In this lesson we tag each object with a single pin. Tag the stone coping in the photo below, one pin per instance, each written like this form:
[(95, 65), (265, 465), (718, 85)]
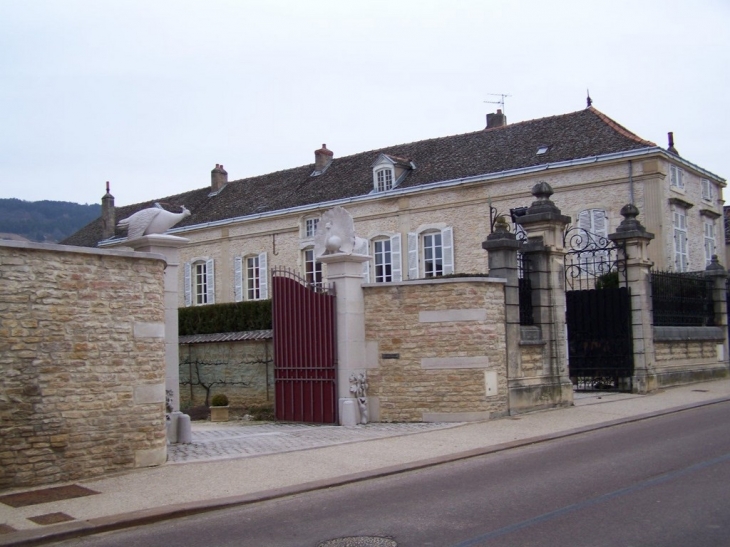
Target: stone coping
[(673, 334), (57, 248), (438, 281)]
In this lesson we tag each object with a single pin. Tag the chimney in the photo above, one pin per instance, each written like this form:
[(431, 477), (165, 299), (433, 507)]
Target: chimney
[(218, 178), (108, 214), (496, 120), (670, 148), (322, 158)]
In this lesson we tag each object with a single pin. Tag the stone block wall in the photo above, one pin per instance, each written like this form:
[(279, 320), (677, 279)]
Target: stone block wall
[(243, 370), (684, 355), (82, 362), (441, 349)]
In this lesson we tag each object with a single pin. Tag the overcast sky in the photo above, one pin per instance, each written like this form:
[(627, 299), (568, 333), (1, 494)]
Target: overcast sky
[(151, 94)]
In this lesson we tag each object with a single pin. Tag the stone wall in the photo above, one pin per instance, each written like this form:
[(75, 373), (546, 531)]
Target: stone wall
[(441, 349), (82, 356), (685, 355), (243, 370)]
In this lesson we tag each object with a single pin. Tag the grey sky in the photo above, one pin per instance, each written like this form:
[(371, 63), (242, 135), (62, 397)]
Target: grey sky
[(151, 94)]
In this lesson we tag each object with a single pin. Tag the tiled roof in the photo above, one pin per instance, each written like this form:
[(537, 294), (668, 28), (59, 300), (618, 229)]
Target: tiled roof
[(226, 337), (583, 134)]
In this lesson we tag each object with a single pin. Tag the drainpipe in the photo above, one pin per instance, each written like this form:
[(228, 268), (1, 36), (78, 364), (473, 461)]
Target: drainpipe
[(631, 182)]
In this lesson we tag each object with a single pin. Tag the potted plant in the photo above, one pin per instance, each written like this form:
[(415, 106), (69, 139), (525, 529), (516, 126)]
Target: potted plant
[(219, 408)]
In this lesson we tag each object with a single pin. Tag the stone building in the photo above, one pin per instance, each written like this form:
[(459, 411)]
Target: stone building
[(424, 207)]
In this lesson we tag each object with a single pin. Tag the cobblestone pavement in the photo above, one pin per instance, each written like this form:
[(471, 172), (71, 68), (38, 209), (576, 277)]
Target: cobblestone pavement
[(224, 441)]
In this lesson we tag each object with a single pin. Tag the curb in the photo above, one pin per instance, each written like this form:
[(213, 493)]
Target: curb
[(121, 521)]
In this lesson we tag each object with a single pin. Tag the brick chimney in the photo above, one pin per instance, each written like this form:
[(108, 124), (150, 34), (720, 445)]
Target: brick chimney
[(670, 148), (322, 158), (218, 178), (108, 214), (496, 120)]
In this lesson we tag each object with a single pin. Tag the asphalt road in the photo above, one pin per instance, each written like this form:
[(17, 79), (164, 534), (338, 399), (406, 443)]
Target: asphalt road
[(663, 481)]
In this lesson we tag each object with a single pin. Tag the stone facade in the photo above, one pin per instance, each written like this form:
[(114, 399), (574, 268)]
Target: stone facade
[(440, 347), (82, 355), (244, 370), (607, 186)]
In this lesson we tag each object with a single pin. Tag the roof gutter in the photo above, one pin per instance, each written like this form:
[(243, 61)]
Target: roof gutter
[(441, 184)]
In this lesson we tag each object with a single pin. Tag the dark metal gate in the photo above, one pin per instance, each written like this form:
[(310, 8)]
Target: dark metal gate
[(598, 313), (304, 349)]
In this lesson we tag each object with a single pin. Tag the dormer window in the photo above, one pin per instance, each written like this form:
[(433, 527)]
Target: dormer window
[(389, 172), (384, 179)]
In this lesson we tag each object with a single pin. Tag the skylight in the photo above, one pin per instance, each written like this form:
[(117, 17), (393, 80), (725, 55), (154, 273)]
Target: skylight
[(542, 150)]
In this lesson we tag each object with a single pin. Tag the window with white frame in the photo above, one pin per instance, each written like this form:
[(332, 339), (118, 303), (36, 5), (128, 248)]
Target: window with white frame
[(709, 228), (250, 278), (431, 253), (310, 227), (383, 260), (199, 281), (384, 179), (312, 269), (679, 223), (707, 190), (676, 177)]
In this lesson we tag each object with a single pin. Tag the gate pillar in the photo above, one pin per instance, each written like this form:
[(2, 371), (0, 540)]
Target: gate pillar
[(345, 272), (544, 224), (719, 277), (635, 240)]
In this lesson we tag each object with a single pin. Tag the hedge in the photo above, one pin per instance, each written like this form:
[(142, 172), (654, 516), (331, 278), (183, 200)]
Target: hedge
[(231, 317)]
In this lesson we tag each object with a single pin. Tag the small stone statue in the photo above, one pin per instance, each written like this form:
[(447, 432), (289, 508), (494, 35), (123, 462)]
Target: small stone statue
[(154, 220), (359, 387), (336, 234)]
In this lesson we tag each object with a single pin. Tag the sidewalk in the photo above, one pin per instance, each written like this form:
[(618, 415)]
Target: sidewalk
[(232, 464)]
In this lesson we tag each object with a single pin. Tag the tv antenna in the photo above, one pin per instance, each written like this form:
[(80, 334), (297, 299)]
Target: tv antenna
[(502, 97)]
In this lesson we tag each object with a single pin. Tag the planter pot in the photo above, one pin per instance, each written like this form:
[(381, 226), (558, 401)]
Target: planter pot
[(219, 414)]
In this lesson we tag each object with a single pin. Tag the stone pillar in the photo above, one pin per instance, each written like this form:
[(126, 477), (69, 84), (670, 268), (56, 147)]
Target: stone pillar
[(502, 247), (635, 239), (345, 271), (545, 224), (719, 296), (169, 247)]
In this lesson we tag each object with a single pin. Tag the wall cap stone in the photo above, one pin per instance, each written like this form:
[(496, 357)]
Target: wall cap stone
[(437, 281), (673, 334), (55, 247)]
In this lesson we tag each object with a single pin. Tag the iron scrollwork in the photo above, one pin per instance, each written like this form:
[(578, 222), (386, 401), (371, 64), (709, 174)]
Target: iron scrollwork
[(593, 261)]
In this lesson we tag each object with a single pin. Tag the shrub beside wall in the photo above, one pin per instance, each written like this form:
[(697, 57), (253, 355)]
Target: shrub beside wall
[(82, 355)]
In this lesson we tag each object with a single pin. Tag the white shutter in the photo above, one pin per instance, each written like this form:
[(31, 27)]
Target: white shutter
[(412, 255), (210, 281), (237, 279), (396, 266), (673, 176), (680, 178), (263, 277), (584, 220), (188, 284), (600, 226), (364, 249), (447, 244)]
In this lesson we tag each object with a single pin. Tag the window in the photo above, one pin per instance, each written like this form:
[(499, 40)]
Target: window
[(709, 240), (679, 222), (707, 193), (312, 269), (384, 179), (383, 261), (594, 221), (310, 227), (676, 177), (437, 249), (199, 282), (254, 278)]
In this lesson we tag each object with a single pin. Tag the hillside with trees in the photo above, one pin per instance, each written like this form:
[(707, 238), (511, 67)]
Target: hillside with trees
[(44, 221)]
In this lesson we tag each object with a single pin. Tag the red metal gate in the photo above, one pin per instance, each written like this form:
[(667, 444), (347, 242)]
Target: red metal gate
[(305, 363)]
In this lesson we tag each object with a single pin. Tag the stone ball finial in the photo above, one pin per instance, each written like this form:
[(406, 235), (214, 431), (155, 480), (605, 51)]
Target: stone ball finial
[(542, 190), (629, 211)]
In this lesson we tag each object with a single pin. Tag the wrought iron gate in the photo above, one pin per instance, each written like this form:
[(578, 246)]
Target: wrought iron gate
[(304, 349), (598, 313)]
